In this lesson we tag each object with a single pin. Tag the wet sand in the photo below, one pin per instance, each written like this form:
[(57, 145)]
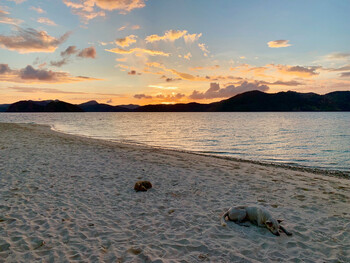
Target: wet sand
[(66, 198)]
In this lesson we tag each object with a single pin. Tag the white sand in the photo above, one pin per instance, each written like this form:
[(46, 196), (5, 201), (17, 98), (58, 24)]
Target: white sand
[(65, 198)]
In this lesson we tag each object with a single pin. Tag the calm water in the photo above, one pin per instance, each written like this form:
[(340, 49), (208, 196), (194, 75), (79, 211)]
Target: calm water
[(309, 139)]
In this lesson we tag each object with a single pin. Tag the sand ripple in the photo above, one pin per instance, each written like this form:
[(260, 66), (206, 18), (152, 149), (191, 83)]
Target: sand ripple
[(69, 199)]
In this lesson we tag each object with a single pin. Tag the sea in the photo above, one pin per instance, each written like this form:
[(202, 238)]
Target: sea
[(306, 139)]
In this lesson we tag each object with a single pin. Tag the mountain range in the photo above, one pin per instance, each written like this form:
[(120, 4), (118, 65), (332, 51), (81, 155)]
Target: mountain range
[(251, 101)]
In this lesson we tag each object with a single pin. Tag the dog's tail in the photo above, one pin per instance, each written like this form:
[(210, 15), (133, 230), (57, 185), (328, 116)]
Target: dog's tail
[(223, 223)]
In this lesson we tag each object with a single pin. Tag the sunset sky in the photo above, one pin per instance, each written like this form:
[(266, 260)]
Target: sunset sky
[(167, 51)]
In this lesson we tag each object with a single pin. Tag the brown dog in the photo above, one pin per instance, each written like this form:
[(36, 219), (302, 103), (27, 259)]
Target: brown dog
[(142, 186)]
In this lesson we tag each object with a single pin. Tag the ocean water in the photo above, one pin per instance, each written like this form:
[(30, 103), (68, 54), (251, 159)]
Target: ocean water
[(312, 139)]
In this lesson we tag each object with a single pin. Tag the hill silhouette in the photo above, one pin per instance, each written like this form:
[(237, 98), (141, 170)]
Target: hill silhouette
[(248, 101), (48, 106), (94, 106)]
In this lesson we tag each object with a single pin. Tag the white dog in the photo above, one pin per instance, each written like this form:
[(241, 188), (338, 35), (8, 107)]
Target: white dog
[(256, 215)]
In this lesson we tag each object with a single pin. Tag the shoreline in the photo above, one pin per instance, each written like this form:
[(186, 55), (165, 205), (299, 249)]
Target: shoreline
[(71, 198), (291, 166)]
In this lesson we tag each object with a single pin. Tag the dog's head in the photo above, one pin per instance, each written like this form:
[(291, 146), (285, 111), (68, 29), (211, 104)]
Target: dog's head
[(273, 226)]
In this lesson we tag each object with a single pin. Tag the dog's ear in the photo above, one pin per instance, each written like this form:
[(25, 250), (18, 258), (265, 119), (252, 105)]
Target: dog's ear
[(279, 220), (269, 223)]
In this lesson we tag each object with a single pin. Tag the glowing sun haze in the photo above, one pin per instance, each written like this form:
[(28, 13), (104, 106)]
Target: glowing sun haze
[(143, 52)]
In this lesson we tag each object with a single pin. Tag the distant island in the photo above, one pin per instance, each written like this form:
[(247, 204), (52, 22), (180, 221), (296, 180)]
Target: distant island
[(251, 101)]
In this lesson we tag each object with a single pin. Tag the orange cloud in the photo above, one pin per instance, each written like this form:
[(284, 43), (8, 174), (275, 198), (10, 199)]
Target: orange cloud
[(6, 19), (46, 21), (38, 10), (278, 43), (86, 8), (187, 76), (190, 38), (188, 56), (205, 68), (204, 48), (126, 41), (123, 5), (133, 27), (170, 35), (30, 40), (138, 51)]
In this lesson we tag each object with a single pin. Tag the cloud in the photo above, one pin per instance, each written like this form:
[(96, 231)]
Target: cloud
[(188, 56), (69, 51), (122, 66), (190, 38), (46, 21), (31, 75), (135, 27), (89, 52), (142, 96), (55, 91), (86, 9), (169, 79), (170, 35), (204, 48), (59, 63), (121, 59), (122, 28), (162, 87), (4, 68), (216, 92), (6, 19), (299, 71), (133, 72), (338, 56), (123, 5), (17, 1), (138, 51), (215, 67), (345, 74), (42, 90), (344, 68), (37, 74), (182, 75), (38, 10), (187, 76), (278, 43), (126, 41), (65, 54), (281, 83), (169, 97), (30, 40)]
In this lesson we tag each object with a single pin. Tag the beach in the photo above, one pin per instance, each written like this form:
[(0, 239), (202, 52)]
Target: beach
[(66, 198)]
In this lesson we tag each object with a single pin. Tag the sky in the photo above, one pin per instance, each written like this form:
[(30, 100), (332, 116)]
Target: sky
[(167, 51)]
